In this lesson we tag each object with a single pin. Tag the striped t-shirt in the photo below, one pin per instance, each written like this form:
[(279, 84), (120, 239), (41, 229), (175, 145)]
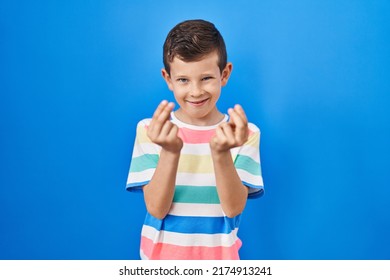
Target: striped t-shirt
[(196, 226)]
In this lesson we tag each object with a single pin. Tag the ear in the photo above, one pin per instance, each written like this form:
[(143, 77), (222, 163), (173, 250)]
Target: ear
[(167, 78), (226, 73)]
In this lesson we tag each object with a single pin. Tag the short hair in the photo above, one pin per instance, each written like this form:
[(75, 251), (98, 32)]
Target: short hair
[(191, 40)]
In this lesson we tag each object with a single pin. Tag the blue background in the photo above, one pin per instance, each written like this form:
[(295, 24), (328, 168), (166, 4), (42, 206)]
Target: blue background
[(76, 76)]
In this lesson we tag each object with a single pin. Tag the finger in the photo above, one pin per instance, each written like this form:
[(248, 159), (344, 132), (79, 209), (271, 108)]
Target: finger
[(159, 108), (228, 133), (221, 137), (240, 128), (243, 116), (173, 132), (235, 119), (156, 113), (166, 128), (238, 108), (239, 112), (166, 112), (174, 138), (162, 109), (161, 115)]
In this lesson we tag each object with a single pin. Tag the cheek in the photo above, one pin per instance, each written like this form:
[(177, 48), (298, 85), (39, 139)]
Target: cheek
[(179, 92), (213, 88)]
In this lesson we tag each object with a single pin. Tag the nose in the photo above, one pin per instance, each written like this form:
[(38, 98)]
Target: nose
[(196, 90)]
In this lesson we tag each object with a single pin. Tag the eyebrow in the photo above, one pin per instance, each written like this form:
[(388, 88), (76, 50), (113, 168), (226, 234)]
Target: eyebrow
[(206, 74)]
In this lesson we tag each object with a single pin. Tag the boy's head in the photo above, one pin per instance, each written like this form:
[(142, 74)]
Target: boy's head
[(192, 40), (196, 69)]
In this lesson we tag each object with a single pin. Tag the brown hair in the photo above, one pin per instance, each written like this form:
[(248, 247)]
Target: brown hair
[(191, 40)]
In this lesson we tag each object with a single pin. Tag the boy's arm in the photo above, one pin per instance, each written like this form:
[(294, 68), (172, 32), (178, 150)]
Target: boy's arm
[(159, 192), (232, 193)]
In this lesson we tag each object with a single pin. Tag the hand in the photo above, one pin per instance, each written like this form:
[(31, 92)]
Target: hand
[(231, 134), (162, 131)]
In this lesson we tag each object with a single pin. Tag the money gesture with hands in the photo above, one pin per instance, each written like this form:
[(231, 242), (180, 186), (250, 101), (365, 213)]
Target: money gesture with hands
[(231, 134), (162, 131)]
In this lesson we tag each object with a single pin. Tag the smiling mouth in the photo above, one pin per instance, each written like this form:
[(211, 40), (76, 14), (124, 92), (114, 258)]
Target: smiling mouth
[(198, 103)]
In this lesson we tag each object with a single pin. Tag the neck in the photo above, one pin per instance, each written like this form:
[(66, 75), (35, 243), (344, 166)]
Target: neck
[(209, 120)]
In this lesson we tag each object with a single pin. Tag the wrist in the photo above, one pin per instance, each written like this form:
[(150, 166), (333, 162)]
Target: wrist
[(221, 155), (170, 153)]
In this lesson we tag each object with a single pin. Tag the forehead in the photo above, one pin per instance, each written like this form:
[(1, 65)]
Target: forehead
[(207, 64)]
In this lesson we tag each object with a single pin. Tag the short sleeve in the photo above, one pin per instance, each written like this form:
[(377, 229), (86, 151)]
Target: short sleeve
[(248, 165), (144, 159)]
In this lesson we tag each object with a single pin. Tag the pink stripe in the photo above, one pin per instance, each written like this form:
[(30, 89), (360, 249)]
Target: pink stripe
[(162, 251), (191, 136)]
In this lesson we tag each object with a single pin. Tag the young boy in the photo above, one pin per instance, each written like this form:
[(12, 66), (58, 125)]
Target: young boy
[(196, 166)]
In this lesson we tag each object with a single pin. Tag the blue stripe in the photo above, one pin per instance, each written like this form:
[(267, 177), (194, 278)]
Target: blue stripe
[(259, 192), (137, 186), (252, 185), (197, 225)]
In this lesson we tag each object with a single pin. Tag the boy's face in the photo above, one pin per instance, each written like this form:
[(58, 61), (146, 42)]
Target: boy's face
[(197, 86)]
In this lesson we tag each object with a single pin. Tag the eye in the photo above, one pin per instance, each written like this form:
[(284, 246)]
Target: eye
[(207, 78), (182, 80)]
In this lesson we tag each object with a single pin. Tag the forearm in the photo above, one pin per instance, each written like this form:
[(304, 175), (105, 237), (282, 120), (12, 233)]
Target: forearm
[(232, 193), (159, 192)]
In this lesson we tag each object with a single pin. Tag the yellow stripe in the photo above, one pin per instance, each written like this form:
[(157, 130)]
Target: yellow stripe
[(142, 137), (253, 140), (196, 164)]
